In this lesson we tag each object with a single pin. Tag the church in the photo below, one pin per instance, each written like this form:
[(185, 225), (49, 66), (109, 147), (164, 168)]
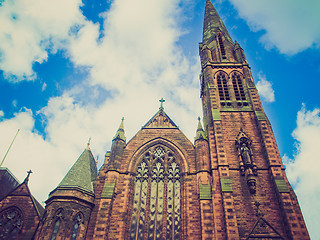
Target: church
[(229, 183)]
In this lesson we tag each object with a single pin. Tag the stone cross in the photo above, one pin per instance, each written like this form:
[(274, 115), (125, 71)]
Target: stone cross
[(161, 101)]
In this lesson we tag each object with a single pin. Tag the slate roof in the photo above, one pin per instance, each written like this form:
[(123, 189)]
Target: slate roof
[(82, 173), (8, 182)]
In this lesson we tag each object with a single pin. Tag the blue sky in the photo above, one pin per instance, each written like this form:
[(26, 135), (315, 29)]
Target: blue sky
[(69, 73)]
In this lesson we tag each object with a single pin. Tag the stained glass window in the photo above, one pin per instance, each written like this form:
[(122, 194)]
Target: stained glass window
[(10, 223), (156, 203)]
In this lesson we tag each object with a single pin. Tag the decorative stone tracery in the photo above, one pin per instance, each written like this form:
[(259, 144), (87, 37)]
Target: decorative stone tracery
[(11, 223), (156, 203)]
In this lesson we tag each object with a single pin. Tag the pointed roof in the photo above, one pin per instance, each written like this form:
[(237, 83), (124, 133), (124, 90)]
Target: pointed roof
[(160, 120), (82, 173), (213, 24), (23, 190), (200, 134), (120, 132)]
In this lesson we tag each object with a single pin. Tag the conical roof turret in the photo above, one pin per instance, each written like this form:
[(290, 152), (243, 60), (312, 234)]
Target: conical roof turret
[(82, 173), (213, 24), (120, 135)]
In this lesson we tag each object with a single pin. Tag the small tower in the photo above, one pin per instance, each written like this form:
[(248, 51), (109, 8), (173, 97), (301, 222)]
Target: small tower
[(68, 208)]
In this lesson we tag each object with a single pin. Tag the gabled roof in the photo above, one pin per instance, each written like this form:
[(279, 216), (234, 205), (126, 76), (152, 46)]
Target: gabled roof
[(82, 173), (160, 120), (23, 190), (213, 24)]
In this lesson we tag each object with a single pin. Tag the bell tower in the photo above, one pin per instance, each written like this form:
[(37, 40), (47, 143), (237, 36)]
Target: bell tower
[(251, 195)]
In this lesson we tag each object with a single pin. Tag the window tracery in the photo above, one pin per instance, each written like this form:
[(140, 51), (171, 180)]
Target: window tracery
[(156, 203), (223, 87), (238, 87), (10, 223)]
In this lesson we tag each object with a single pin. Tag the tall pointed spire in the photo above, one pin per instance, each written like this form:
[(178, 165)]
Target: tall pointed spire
[(120, 132), (213, 24)]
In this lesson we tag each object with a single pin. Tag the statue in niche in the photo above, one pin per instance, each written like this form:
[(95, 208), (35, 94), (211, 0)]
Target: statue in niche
[(247, 166)]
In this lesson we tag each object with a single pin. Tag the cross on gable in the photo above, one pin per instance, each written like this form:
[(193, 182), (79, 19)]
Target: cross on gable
[(161, 103)]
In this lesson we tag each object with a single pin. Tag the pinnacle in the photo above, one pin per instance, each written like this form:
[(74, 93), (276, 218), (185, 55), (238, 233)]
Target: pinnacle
[(200, 134), (120, 132)]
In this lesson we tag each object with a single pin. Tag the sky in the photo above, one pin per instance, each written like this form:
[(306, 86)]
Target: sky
[(70, 73)]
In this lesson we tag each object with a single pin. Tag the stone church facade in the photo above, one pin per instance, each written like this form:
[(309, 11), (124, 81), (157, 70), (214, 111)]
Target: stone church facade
[(229, 183)]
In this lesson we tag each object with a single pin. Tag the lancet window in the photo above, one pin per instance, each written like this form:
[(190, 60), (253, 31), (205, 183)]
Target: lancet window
[(156, 203), (58, 218), (238, 87), (78, 219), (222, 86), (10, 223)]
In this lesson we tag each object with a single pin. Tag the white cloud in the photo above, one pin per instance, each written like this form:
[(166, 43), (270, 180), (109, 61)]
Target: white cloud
[(30, 29), (44, 87), (290, 25), (303, 170), (134, 64), (265, 88)]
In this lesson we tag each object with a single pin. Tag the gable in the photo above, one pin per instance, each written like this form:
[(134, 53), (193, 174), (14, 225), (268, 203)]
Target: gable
[(160, 120), (21, 196)]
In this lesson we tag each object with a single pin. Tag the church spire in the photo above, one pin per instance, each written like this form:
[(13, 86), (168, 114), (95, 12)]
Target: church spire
[(213, 24), (120, 132)]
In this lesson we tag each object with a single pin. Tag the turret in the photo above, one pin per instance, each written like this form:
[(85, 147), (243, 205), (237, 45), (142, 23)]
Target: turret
[(70, 204)]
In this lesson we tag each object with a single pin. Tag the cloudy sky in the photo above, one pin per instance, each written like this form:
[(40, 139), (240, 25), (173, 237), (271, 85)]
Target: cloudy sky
[(69, 73)]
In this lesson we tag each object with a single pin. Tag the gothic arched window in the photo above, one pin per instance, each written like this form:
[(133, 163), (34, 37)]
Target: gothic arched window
[(78, 219), (223, 87), (10, 223), (58, 219), (238, 87), (156, 203)]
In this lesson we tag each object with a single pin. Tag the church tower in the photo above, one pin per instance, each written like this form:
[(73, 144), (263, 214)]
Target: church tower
[(229, 183), (251, 196)]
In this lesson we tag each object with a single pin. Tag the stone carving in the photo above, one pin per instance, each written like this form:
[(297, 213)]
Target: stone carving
[(247, 166)]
